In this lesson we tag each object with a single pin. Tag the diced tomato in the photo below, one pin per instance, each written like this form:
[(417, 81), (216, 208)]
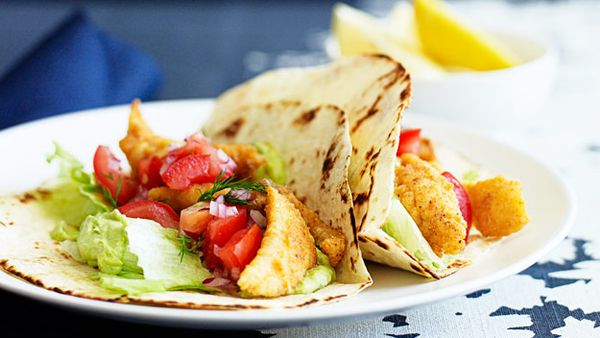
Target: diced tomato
[(211, 261), (149, 172), (195, 219), (107, 169), (240, 249), (463, 200), (196, 144), (220, 230), (153, 210), (409, 141), (187, 171)]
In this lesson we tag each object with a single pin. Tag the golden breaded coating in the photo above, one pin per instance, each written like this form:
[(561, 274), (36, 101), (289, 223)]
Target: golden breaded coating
[(498, 206), (140, 142), (430, 200), (286, 252), (247, 158), (178, 199), (330, 240), (426, 151)]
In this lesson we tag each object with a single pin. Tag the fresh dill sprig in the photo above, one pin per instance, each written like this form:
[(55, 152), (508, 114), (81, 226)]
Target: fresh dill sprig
[(184, 245), (231, 184)]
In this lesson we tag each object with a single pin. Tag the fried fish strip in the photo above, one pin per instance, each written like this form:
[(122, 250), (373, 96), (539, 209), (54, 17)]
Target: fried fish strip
[(498, 206), (178, 199), (140, 141), (430, 200), (330, 240), (286, 252)]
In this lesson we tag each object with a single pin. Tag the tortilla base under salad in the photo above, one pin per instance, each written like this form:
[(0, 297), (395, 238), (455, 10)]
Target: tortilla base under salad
[(28, 252)]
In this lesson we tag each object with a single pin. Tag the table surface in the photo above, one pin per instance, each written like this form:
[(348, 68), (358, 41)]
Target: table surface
[(557, 296)]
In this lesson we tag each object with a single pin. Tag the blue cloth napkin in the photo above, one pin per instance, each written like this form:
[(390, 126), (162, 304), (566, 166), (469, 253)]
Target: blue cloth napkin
[(76, 67)]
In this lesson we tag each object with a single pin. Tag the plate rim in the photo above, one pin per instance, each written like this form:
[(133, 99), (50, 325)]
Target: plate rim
[(254, 319)]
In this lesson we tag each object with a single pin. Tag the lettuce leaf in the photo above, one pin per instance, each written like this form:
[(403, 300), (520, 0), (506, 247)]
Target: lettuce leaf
[(403, 228), (274, 169), (136, 255), (318, 277), (159, 255), (75, 193)]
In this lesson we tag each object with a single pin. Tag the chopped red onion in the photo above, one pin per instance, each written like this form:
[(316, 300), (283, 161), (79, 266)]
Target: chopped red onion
[(241, 194), (259, 218), (218, 208), (225, 161)]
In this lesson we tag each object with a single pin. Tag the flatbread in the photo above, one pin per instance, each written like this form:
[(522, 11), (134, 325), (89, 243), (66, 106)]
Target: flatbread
[(316, 158), (314, 143), (374, 91)]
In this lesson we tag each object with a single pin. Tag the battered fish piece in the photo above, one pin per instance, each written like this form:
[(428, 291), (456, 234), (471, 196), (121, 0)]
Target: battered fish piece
[(178, 199), (430, 200), (498, 206), (286, 253), (247, 158), (426, 151), (330, 240), (140, 141)]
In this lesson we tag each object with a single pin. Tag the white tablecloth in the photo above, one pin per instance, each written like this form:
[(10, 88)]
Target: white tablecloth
[(560, 295)]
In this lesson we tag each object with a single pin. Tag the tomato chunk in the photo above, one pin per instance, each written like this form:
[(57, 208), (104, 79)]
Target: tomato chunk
[(187, 171), (153, 210), (196, 144), (211, 261), (409, 141), (108, 173), (220, 230), (195, 219), (463, 200), (240, 249), (149, 172)]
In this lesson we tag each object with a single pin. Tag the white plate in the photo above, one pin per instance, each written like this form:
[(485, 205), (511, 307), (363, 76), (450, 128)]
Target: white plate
[(549, 202)]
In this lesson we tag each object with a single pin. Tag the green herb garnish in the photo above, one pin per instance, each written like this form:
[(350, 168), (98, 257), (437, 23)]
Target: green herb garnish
[(184, 245), (230, 183)]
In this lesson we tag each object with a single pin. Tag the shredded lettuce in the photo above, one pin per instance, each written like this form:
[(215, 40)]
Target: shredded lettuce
[(159, 256), (470, 176), (75, 194), (136, 256), (318, 277), (403, 228), (274, 169)]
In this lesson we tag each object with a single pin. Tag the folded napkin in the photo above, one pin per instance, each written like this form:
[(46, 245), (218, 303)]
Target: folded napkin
[(75, 67)]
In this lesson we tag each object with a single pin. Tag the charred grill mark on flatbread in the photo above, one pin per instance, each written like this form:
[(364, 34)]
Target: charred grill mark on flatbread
[(307, 116), (416, 267), (354, 229), (344, 195), (370, 112), (405, 93), (330, 298), (328, 163), (362, 239), (381, 244), (27, 197), (363, 197), (233, 128), (308, 302)]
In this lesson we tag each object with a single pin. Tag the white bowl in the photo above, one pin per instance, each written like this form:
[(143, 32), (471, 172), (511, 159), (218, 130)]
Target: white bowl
[(493, 100)]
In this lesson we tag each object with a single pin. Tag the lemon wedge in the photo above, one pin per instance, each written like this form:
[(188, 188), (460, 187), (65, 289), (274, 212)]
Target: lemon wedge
[(452, 42), (357, 32)]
